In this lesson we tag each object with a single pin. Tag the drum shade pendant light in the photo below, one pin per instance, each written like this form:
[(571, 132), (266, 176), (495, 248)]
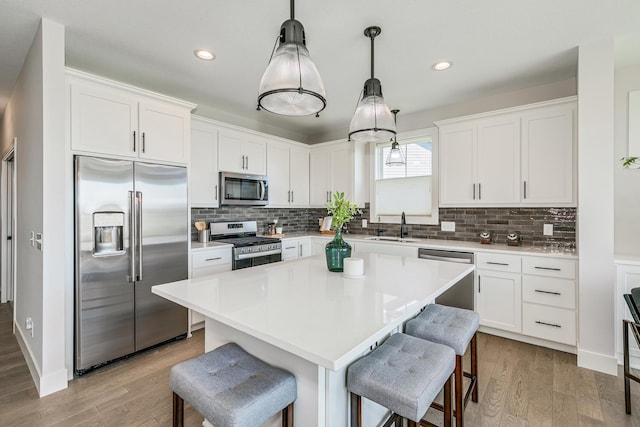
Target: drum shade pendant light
[(372, 120), (395, 157), (291, 84)]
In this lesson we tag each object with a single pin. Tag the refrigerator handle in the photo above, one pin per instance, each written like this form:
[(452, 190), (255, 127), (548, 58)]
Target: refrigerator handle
[(139, 233), (132, 240)]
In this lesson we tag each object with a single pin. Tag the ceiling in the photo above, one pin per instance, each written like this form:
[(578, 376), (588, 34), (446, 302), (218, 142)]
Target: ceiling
[(496, 46)]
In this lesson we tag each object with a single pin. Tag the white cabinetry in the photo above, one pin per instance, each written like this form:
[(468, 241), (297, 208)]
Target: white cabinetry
[(119, 120), (522, 156), (204, 164), (338, 166), (288, 172), (241, 152), (205, 262), (296, 248), (628, 277), (499, 286)]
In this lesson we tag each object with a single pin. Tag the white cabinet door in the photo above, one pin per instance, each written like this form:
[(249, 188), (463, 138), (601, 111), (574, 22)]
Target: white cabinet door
[(320, 179), (304, 247), (298, 176), (204, 263), (204, 166), (498, 161), (499, 300), (278, 172), (164, 132), (103, 120), (241, 152), (548, 156), (290, 249), (457, 165), (341, 171)]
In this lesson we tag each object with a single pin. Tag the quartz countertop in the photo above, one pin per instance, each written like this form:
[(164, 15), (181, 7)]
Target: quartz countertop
[(209, 245), (320, 316)]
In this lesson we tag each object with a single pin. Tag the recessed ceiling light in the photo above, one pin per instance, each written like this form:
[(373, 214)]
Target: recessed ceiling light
[(441, 65), (205, 55)]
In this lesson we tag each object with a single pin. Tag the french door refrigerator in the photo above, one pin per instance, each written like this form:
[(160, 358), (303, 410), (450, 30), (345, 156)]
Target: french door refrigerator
[(131, 226)]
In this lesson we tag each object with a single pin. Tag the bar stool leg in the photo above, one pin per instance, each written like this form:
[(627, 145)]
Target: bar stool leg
[(447, 403), (627, 383), (287, 416), (178, 411), (474, 367), (458, 392), (356, 410)]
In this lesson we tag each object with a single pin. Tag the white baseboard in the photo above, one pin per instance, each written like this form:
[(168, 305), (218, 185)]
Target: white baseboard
[(598, 362), (45, 384)]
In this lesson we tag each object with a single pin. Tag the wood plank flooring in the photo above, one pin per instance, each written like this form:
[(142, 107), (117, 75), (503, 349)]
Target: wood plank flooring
[(520, 385)]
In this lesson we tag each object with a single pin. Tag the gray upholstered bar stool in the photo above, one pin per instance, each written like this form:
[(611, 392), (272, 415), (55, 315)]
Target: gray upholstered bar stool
[(453, 327), (230, 387), (404, 374)]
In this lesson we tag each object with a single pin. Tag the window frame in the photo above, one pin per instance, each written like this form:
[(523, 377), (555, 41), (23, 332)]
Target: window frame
[(407, 138)]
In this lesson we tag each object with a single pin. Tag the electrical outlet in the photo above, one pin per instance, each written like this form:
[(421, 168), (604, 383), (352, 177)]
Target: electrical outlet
[(364, 223), (28, 325), (448, 226), (547, 229)]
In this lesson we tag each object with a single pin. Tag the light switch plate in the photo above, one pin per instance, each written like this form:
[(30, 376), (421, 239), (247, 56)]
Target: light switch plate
[(547, 229), (448, 226), (364, 223)]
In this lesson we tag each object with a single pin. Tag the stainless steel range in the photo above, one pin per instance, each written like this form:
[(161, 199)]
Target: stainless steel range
[(249, 249)]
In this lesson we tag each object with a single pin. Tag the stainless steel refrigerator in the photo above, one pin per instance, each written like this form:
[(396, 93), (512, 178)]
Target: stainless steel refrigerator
[(131, 226)]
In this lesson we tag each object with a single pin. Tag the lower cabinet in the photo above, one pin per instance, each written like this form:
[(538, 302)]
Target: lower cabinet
[(205, 262), (296, 248), (530, 295)]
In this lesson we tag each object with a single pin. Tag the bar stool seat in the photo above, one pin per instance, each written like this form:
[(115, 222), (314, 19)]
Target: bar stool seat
[(404, 374), (230, 387), (455, 328)]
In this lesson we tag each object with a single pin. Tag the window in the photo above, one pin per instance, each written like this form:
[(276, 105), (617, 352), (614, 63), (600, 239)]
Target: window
[(411, 188)]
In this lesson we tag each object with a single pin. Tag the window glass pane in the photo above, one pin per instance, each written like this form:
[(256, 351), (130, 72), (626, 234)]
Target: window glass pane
[(418, 156)]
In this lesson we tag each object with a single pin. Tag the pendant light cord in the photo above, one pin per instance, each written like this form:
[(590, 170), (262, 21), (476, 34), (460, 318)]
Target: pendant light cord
[(292, 7), (375, 109)]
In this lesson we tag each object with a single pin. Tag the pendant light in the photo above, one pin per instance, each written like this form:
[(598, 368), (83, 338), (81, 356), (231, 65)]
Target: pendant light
[(291, 84), (395, 157), (372, 120)]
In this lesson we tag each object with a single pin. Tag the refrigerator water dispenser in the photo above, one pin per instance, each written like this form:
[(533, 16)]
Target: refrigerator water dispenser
[(107, 233)]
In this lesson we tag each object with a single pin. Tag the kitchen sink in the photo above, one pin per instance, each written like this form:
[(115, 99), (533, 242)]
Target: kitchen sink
[(391, 239)]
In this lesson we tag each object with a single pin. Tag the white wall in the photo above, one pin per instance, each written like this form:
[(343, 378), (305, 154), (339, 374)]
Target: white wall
[(35, 115), (627, 181), (596, 345)]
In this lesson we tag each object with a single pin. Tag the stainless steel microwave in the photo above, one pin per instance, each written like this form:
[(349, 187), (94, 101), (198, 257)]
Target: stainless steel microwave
[(243, 189)]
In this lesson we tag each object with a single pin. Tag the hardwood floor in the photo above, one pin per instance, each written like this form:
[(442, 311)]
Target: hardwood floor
[(520, 385)]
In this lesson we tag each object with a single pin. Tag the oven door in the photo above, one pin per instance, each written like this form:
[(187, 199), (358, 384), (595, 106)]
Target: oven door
[(243, 189), (255, 260)]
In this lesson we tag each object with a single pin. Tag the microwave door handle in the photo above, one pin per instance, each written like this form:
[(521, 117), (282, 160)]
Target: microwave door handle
[(262, 189)]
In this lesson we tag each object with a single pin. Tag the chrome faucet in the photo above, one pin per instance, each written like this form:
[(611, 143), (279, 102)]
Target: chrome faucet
[(403, 227), (379, 229)]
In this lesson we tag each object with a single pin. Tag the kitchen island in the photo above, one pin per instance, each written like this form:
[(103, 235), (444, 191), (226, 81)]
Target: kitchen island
[(314, 323)]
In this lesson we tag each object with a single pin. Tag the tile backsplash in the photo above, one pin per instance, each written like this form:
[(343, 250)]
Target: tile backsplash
[(470, 222)]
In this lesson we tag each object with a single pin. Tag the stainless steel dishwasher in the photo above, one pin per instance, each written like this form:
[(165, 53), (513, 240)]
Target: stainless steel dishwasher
[(460, 295)]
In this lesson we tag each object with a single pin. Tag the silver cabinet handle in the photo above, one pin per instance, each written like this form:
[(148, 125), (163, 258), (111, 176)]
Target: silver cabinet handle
[(548, 268), (139, 231), (290, 247), (214, 259), (479, 191), (548, 324), (247, 162), (300, 251), (497, 263), (547, 292), (479, 284), (525, 189), (134, 141), (143, 142), (242, 162), (215, 193), (291, 196), (474, 191), (132, 238)]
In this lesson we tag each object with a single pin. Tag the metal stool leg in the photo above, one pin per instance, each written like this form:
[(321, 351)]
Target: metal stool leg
[(287, 416), (474, 367), (458, 392)]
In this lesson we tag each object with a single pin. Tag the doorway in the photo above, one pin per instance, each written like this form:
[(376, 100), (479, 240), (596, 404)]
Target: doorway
[(7, 213)]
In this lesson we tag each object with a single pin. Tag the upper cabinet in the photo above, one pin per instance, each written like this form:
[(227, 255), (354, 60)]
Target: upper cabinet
[(241, 152), (515, 157), (119, 120), (288, 172), (338, 166), (203, 170)]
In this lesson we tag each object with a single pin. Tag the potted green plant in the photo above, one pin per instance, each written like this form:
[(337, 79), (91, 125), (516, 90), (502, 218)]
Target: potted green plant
[(341, 211), (631, 162)]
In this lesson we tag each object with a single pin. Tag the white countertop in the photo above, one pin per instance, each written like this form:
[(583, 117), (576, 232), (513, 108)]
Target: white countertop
[(197, 245), (320, 316)]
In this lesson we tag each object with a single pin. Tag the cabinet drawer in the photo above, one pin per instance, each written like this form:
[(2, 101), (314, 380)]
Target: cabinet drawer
[(549, 291), (289, 250), (498, 262), (206, 259), (549, 323), (551, 267)]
